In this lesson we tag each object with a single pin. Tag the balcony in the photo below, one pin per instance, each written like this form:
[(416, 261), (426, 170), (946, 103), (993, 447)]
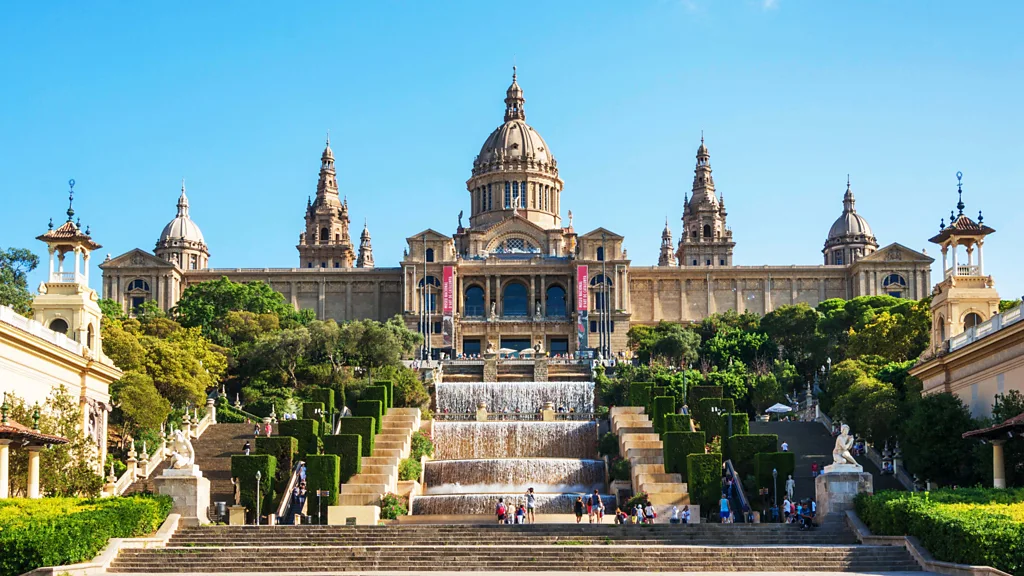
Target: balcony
[(975, 333), (963, 270), (67, 278)]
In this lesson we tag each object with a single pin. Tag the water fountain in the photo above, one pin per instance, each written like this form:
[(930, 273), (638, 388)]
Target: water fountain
[(462, 440), (524, 397)]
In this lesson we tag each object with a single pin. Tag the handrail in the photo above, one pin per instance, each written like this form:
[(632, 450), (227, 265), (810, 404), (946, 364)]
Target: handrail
[(286, 498), (740, 492)]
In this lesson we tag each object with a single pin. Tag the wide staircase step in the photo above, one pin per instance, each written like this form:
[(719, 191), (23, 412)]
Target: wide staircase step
[(379, 473), (538, 547)]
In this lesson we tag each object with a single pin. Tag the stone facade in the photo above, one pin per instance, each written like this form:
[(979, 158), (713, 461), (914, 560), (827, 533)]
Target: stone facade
[(514, 265)]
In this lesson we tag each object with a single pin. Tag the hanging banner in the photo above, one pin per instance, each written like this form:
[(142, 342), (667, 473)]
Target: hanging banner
[(448, 305), (582, 307)]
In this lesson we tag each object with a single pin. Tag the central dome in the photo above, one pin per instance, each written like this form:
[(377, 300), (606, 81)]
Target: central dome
[(515, 140), (182, 228)]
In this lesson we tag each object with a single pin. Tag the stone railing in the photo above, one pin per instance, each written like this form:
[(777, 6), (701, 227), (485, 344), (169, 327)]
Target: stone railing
[(9, 316), (141, 469), (993, 324)]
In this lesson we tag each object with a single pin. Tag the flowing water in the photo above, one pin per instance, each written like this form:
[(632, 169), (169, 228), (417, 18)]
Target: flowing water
[(487, 503), (475, 440), (494, 476), (525, 397)]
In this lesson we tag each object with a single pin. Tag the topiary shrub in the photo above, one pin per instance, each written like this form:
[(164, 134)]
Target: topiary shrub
[(608, 445), (326, 397), (677, 422), (392, 506), (283, 448), (372, 409), (244, 469), (306, 432), (741, 449), (639, 394), (698, 393), (349, 449), (711, 423), (620, 470), (662, 406), (409, 469), (421, 445), (740, 423), (390, 385), (377, 393), (362, 426), (765, 462), (676, 446), (704, 480), (313, 411), (323, 472)]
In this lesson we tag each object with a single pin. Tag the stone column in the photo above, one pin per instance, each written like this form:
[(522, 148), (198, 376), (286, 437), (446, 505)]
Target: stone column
[(998, 466), (33, 471), (532, 306), (487, 297), (981, 259), (5, 469), (954, 259), (544, 296), (497, 296)]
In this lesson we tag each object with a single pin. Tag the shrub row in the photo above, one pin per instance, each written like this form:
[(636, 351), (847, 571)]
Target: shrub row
[(59, 531), (324, 396), (704, 479), (677, 446), (662, 406), (244, 469), (391, 391), (323, 472), (372, 409), (362, 426), (377, 393), (640, 393), (741, 449), (313, 411), (349, 448), (677, 422), (697, 393), (711, 423), (764, 463), (306, 431), (283, 448)]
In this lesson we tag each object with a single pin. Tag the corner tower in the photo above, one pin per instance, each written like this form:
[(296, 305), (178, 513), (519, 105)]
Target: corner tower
[(325, 242), (705, 239)]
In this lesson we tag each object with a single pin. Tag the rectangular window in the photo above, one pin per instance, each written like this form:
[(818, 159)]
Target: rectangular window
[(593, 325), (471, 347), (522, 195), (437, 327), (490, 205), (721, 262), (545, 198), (508, 195)]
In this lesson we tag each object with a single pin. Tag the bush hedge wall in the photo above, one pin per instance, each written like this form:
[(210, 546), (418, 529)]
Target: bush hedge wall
[(377, 393), (326, 397), (977, 526), (698, 393), (323, 472), (391, 391), (372, 409), (740, 423), (244, 469), (741, 449), (362, 426), (306, 432), (640, 393), (283, 448), (608, 445), (349, 448), (704, 479), (654, 393), (677, 446), (713, 424), (677, 422), (59, 531), (764, 463), (309, 411), (662, 406)]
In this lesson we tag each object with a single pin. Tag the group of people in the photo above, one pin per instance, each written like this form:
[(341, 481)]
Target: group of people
[(799, 512), (521, 514), (594, 507), (267, 429), (643, 514)]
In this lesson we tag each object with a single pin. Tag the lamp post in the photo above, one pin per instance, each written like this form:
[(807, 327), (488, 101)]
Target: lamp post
[(259, 476), (775, 492)]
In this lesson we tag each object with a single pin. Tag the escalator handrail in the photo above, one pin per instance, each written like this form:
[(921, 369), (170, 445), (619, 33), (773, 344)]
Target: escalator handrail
[(286, 498), (740, 492)]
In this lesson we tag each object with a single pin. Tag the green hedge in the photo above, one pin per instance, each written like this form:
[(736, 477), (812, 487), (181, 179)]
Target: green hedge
[(323, 472), (309, 411), (228, 414), (741, 449), (409, 469), (326, 397), (349, 448), (655, 392), (713, 424), (377, 393), (608, 445), (740, 423), (764, 463), (640, 393), (364, 427), (59, 531), (307, 432), (244, 469), (967, 525), (698, 393), (391, 391), (283, 448), (663, 405), (704, 480), (677, 422), (372, 409), (677, 446), (620, 470)]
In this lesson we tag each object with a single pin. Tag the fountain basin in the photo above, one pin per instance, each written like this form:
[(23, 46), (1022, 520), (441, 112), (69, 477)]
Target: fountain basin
[(548, 475)]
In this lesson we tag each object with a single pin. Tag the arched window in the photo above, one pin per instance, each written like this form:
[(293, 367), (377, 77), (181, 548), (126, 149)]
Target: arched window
[(971, 320), (433, 288), (325, 236), (88, 336), (598, 283), (942, 329), (59, 325), (707, 231), (430, 255), (138, 284), (894, 285), (514, 300), (474, 301), (555, 301)]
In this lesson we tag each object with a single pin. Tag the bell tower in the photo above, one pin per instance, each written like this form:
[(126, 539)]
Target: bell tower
[(965, 297), (667, 256), (326, 242), (705, 240), (65, 302)]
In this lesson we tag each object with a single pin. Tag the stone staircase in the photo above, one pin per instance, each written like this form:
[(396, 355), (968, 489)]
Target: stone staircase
[(538, 547), (642, 446), (379, 473)]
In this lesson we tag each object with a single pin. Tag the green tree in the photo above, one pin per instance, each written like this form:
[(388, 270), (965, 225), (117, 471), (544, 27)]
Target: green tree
[(933, 443), (731, 345), (794, 331), (675, 344), (283, 350), (138, 405), (15, 265), (897, 334), (1005, 305), (207, 305), (111, 309), (640, 339), (183, 366), (871, 407), (765, 391), (1007, 406)]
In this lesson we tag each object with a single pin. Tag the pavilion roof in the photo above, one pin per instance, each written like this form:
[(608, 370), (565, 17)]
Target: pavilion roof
[(11, 430), (993, 432)]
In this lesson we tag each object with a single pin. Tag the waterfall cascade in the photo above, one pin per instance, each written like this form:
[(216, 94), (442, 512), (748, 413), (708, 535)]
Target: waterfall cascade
[(525, 397), (462, 440)]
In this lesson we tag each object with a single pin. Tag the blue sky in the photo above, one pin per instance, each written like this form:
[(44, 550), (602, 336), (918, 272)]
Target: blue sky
[(128, 98)]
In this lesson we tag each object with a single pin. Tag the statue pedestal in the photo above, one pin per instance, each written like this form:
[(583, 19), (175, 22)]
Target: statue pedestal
[(835, 489), (190, 492), (236, 515)]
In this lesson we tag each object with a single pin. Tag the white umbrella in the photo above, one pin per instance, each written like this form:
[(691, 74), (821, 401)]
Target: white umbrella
[(779, 409), (507, 350)]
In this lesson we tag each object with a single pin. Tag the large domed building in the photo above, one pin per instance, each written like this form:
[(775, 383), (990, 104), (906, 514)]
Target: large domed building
[(517, 274)]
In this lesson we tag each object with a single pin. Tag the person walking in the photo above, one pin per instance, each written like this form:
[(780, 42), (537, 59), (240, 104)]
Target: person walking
[(785, 446), (594, 505), (256, 431), (531, 504), (501, 511), (686, 514), (649, 513), (723, 509), (674, 518), (246, 448), (578, 508), (787, 507), (267, 429)]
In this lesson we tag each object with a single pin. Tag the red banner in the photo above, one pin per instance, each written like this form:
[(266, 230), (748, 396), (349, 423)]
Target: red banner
[(448, 305), (582, 307)]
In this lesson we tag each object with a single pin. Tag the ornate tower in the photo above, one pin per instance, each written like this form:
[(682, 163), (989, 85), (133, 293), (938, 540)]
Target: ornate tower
[(65, 302), (965, 297), (181, 241), (850, 238), (667, 257), (326, 242), (705, 240), (365, 259)]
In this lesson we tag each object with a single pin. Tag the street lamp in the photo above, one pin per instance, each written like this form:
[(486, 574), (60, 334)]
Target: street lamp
[(259, 476), (775, 493)]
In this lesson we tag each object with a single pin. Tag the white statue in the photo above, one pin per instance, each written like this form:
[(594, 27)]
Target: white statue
[(182, 453), (790, 487), (841, 453)]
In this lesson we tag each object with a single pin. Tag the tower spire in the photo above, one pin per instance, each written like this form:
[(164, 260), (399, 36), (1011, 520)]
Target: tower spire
[(71, 199), (960, 192), (514, 100), (183, 201), (365, 258)]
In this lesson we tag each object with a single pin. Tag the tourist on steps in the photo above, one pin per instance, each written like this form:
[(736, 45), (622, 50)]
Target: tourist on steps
[(501, 511), (578, 508), (723, 509), (531, 503), (246, 448), (686, 515), (593, 506), (521, 514), (256, 431), (649, 513)]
